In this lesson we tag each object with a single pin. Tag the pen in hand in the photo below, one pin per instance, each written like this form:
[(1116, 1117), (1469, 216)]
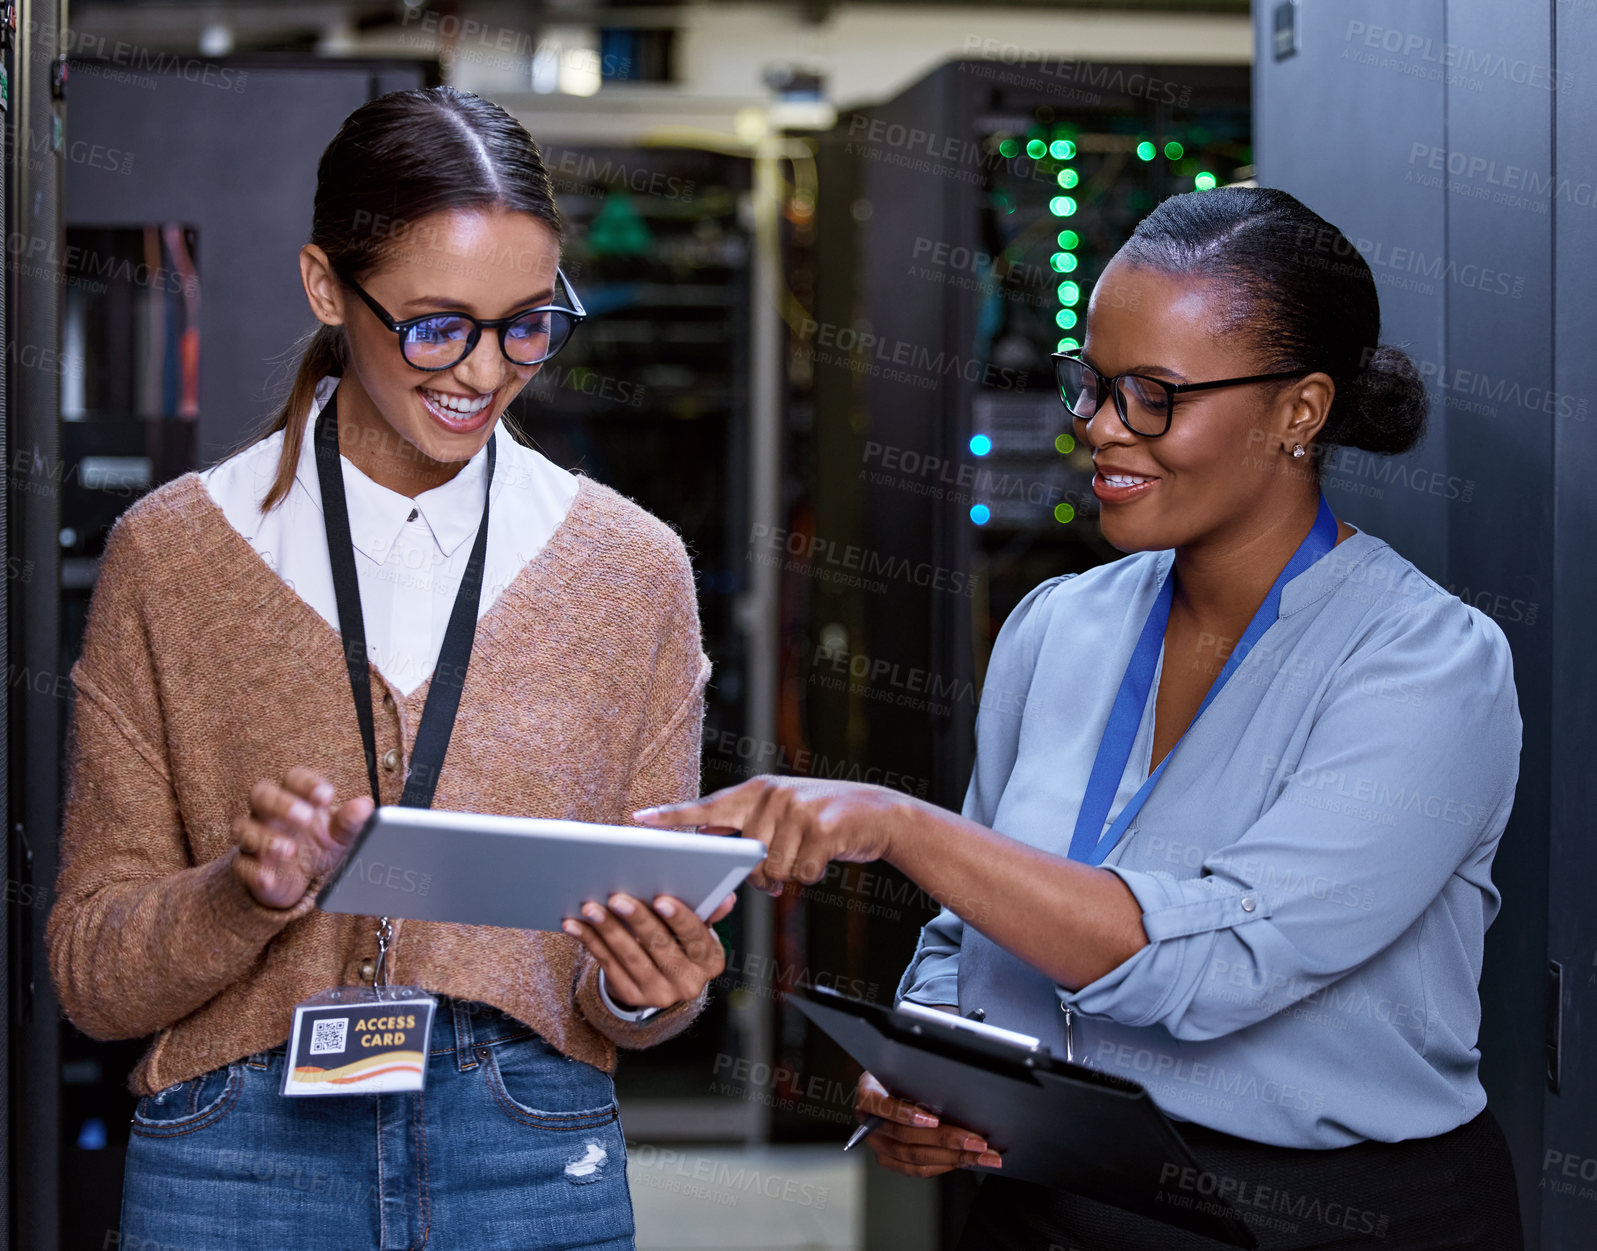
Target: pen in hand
[(872, 1123), (866, 1128)]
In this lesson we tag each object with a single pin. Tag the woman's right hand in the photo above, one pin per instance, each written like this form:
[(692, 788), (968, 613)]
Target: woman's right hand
[(291, 835), (914, 1141)]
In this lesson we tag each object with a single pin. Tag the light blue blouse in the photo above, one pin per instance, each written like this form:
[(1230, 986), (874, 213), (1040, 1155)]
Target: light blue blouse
[(1314, 867)]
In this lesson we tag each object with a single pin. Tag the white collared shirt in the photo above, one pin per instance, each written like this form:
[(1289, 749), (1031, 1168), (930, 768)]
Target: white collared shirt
[(409, 553)]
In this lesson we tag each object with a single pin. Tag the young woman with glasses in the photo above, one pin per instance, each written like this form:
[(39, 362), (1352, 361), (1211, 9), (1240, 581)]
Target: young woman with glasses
[(1236, 795), (277, 644)]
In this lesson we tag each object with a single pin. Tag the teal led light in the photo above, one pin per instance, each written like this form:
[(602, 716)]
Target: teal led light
[(1205, 181), (1069, 293), (1068, 178), (1062, 206), (1146, 150), (980, 514), (980, 445), (1065, 319), (1036, 149), (1068, 238)]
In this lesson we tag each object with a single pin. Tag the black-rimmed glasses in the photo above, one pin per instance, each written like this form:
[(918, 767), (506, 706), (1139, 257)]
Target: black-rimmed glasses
[(437, 341), (1144, 404)]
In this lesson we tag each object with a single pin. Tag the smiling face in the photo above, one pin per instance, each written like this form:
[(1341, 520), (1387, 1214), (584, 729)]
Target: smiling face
[(1221, 473), (404, 426)]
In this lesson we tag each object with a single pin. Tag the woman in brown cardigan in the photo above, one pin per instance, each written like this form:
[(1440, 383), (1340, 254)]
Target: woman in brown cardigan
[(217, 774)]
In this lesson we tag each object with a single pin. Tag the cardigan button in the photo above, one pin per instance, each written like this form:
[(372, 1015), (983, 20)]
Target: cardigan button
[(388, 700), (390, 760)]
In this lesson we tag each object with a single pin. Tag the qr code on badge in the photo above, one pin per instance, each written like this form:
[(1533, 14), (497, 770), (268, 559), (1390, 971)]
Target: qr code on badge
[(328, 1036)]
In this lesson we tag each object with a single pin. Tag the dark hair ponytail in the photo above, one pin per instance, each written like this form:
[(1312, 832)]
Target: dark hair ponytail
[(396, 160), (1303, 297)]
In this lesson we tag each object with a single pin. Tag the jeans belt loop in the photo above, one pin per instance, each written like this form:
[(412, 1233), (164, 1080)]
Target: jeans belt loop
[(465, 1048)]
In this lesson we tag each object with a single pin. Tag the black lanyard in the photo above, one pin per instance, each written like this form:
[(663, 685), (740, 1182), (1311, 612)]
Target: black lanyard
[(449, 675)]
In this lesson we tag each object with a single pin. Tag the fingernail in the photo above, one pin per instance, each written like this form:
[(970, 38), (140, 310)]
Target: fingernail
[(593, 912), (267, 877), (282, 847), (299, 810), (323, 792), (572, 928), (665, 907), (975, 1144), (991, 1160), (643, 814), (927, 1121), (621, 906)]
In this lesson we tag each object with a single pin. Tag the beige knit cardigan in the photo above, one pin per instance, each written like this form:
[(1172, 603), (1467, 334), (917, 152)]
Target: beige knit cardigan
[(203, 672)]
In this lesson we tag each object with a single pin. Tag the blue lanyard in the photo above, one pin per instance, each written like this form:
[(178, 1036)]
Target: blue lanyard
[(1091, 843)]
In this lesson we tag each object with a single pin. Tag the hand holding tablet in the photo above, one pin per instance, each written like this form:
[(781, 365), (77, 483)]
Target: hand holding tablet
[(652, 957)]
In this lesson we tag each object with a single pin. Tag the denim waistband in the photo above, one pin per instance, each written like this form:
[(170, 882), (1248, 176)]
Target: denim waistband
[(462, 1028)]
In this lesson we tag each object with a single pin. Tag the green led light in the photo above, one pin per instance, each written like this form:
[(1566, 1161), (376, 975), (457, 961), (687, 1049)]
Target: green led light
[(1068, 178), (1036, 149), (1060, 149), (1064, 514), (1070, 150), (1069, 293), (1068, 238), (1065, 319), (1063, 262), (1173, 151), (1065, 445), (1205, 181), (1146, 150), (1062, 206), (1009, 147)]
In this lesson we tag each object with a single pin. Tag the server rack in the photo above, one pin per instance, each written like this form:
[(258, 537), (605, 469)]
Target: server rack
[(35, 159)]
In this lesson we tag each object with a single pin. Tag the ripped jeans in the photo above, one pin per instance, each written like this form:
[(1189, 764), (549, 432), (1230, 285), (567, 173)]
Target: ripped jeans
[(511, 1146)]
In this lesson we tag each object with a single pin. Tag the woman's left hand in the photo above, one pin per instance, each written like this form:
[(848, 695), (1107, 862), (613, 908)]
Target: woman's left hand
[(805, 823), (652, 957)]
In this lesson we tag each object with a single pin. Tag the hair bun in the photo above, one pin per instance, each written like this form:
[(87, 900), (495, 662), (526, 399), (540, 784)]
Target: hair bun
[(1388, 405)]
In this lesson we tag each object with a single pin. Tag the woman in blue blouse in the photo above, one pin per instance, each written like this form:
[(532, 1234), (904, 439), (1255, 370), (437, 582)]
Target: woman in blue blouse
[(1237, 794)]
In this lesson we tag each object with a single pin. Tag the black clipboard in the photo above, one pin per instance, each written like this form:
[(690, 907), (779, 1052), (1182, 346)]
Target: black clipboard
[(1056, 1123)]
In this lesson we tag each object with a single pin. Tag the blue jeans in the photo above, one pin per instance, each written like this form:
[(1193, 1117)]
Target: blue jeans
[(511, 1146)]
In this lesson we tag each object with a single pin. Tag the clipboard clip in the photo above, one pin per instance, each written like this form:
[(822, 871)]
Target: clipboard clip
[(1028, 1046)]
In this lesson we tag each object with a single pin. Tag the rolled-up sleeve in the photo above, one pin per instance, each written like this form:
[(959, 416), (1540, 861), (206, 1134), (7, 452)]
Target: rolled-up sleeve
[(933, 973), (1405, 779)]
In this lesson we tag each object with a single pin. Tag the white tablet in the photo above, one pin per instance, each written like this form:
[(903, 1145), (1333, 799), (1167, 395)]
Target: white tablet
[(524, 872)]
